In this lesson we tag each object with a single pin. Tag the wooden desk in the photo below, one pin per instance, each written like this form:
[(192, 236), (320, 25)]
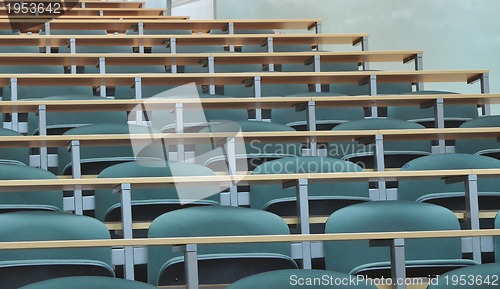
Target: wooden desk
[(196, 26), (314, 58)]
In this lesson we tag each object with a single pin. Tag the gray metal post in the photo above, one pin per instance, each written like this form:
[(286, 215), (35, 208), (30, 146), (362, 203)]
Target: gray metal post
[(398, 267), (42, 128), (126, 207), (230, 28), (419, 65), (472, 213), (102, 65), (140, 31), (232, 170), (211, 69), (439, 123), (303, 215), (317, 68), (179, 128), (257, 94), (190, 264), (380, 165), (319, 27), (373, 92), (270, 49), (485, 88), (138, 95), (364, 47), (77, 174), (13, 97), (47, 32), (72, 45), (311, 125)]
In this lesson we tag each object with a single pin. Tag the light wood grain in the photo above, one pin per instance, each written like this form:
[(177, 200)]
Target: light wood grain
[(245, 103), (241, 78)]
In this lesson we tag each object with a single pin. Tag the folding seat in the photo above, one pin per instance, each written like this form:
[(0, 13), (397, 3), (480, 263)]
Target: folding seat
[(354, 89), (293, 278), (451, 196), (486, 147), (50, 200), (15, 155), (149, 203), (79, 48), (223, 263), (60, 122), (20, 267), (396, 153), (424, 257), (94, 159), (27, 92), (249, 154), (474, 277), (326, 118), (454, 115), (89, 282), (324, 197)]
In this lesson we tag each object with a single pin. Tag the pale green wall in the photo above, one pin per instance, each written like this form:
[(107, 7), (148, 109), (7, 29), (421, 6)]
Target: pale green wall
[(454, 34)]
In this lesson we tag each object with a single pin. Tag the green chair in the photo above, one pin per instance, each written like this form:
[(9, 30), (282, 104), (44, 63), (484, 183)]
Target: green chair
[(28, 201), (249, 154), (486, 147), (424, 257), (95, 158), (25, 266), (454, 115), (452, 195), (149, 203), (196, 120), (16, 155), (326, 118), (396, 153), (60, 122), (324, 197), (298, 278), (217, 264), (88, 282), (472, 277)]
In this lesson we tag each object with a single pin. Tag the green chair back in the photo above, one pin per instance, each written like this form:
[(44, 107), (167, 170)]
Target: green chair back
[(326, 118), (17, 155), (60, 122), (89, 282), (273, 195), (389, 216), (396, 152), (152, 202), (488, 147), (25, 266), (37, 200), (412, 190), (216, 221), (95, 159), (454, 115)]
